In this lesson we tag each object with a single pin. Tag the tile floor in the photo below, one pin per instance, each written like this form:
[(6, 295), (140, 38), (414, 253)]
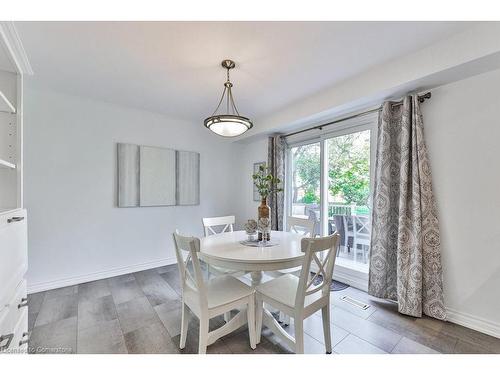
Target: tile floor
[(140, 313)]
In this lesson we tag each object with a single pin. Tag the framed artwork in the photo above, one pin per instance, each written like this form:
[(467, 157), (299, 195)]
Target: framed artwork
[(188, 178), (155, 176), (256, 166), (157, 179)]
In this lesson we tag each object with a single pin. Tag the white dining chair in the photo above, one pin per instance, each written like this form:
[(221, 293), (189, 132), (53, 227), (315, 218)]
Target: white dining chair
[(212, 298), (301, 296), (301, 226), (211, 226), (362, 231)]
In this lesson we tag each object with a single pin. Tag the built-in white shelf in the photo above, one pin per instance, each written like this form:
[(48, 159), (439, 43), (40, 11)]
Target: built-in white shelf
[(5, 104), (5, 164)]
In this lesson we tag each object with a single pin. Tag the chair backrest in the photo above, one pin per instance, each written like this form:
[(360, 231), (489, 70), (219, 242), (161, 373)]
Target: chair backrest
[(300, 226), (312, 213), (210, 222), (361, 225), (186, 252), (298, 209), (317, 270)]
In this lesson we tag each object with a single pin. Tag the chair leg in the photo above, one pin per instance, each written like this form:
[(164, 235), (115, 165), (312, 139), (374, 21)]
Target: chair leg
[(227, 316), (258, 323), (251, 321), (299, 335), (203, 340), (184, 326), (325, 311)]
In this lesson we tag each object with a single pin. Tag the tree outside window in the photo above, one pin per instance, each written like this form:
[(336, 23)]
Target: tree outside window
[(348, 170)]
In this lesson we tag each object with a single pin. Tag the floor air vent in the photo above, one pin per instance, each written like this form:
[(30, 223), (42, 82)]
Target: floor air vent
[(355, 302)]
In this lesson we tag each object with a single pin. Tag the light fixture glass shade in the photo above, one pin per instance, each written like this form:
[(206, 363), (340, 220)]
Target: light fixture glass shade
[(228, 125)]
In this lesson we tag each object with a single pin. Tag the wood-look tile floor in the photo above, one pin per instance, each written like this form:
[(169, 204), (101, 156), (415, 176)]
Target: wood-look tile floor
[(140, 313)]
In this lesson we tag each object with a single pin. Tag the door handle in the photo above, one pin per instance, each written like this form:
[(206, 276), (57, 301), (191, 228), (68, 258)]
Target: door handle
[(15, 218)]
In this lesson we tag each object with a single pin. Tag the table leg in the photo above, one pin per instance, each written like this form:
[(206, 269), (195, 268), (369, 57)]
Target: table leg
[(256, 278)]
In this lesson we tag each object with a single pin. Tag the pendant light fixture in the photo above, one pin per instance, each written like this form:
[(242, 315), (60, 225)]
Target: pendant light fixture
[(229, 124)]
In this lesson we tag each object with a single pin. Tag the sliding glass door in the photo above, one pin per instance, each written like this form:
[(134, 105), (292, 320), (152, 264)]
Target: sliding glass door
[(305, 183), (330, 181), (348, 196)]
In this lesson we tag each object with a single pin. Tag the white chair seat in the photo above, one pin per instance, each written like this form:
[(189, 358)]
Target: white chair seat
[(216, 270), (294, 271), (222, 290), (283, 289)]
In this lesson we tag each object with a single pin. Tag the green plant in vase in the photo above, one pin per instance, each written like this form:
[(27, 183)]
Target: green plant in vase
[(266, 184)]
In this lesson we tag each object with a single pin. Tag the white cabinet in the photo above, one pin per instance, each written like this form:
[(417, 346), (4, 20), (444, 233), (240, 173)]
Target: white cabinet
[(14, 320), (13, 252), (13, 218), (13, 297)]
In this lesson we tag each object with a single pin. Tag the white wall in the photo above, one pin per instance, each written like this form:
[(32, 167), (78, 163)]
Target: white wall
[(248, 154), (76, 232), (462, 131)]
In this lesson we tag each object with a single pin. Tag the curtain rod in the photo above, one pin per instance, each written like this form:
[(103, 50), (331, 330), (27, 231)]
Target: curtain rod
[(421, 99)]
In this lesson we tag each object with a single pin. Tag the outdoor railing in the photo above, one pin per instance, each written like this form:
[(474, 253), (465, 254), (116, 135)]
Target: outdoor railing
[(333, 209)]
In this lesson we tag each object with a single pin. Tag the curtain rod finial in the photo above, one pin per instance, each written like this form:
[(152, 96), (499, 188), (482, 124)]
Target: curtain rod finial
[(422, 98)]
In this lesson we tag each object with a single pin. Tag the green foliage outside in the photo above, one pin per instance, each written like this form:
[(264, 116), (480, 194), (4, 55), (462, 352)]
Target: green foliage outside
[(349, 167), (310, 197), (348, 170), (306, 173)]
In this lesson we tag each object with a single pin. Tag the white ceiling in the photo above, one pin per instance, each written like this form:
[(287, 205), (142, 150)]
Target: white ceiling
[(174, 67)]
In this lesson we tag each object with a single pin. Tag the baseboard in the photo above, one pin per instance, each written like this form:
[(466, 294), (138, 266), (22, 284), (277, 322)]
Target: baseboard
[(59, 283), (355, 279), (473, 322)]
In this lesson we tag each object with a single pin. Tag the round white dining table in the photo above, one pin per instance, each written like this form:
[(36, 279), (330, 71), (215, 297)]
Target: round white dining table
[(226, 250)]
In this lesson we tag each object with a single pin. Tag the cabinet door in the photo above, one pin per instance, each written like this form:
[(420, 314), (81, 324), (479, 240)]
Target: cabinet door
[(13, 252)]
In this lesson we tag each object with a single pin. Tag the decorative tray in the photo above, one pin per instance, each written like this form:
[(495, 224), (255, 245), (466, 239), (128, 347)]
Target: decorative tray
[(257, 243)]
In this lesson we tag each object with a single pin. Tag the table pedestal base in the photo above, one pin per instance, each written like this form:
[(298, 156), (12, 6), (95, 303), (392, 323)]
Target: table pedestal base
[(256, 278)]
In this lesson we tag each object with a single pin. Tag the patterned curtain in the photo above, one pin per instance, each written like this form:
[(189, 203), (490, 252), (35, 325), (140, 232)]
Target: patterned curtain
[(276, 162), (405, 260)]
